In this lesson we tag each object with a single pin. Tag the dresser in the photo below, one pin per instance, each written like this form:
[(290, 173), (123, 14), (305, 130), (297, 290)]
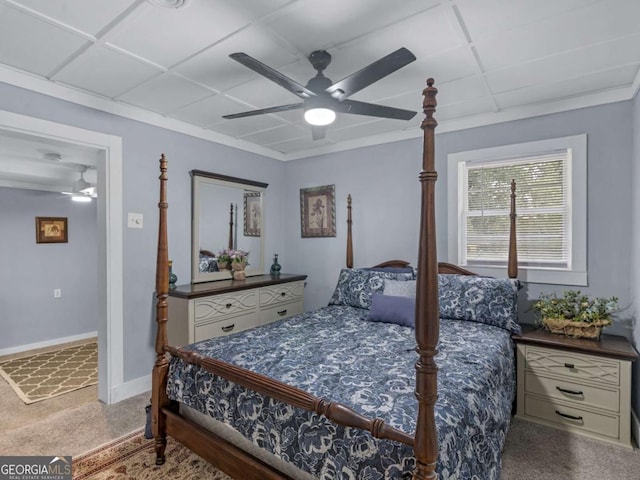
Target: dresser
[(579, 385), (213, 309)]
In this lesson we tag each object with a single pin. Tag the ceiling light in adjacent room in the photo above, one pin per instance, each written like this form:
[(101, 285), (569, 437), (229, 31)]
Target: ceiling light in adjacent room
[(169, 3), (319, 116), (80, 197)]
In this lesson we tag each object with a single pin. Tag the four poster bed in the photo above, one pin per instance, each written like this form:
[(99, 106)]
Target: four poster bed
[(330, 394)]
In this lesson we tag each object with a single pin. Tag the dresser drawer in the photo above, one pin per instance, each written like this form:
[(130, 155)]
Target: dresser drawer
[(227, 326), (579, 394), (281, 293), (224, 305), (276, 312), (600, 424), (571, 365)]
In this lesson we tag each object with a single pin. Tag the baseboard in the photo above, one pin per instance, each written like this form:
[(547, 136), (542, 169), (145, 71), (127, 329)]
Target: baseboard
[(635, 427), (131, 388), (46, 343)]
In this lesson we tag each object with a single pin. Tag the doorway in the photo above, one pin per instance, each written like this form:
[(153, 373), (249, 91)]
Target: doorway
[(109, 239)]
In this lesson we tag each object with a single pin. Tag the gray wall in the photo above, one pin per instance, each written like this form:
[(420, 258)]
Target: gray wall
[(31, 271), (142, 146), (635, 251)]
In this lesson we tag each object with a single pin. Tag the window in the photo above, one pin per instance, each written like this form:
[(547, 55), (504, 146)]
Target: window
[(550, 206)]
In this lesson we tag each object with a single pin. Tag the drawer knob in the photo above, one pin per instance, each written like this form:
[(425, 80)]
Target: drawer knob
[(570, 392), (570, 417), (228, 305), (282, 312), (282, 294), (228, 328), (569, 365)]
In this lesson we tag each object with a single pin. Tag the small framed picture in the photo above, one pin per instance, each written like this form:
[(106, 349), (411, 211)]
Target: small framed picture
[(252, 214), (318, 211), (51, 230)]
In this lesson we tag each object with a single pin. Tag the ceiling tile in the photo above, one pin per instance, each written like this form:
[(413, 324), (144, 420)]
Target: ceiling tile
[(99, 70), (574, 87), (34, 45), (600, 22), (244, 126), (567, 65), (278, 134), (261, 93), (89, 16), (300, 144), (214, 68), (464, 109), (165, 93), (489, 17), (168, 35), (375, 127), (319, 24), (206, 111)]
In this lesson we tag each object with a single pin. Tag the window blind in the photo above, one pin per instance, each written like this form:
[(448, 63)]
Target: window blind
[(543, 210)]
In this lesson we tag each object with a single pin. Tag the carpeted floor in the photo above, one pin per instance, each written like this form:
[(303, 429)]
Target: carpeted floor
[(133, 457), (41, 376)]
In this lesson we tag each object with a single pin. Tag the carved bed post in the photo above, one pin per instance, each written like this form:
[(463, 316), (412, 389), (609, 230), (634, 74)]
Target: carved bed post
[(427, 309), (349, 239), (231, 227), (159, 397), (512, 269)]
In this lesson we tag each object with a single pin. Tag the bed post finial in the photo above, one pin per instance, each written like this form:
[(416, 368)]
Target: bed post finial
[(512, 268), (427, 311), (349, 238), (231, 226), (159, 397)]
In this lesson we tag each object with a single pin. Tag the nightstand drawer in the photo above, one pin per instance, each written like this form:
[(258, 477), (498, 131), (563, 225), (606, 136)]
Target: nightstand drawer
[(225, 327), (572, 365), (224, 305), (271, 314), (599, 424), (282, 293), (579, 394)]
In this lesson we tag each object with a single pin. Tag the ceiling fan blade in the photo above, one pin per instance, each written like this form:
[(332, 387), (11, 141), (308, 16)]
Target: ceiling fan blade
[(370, 74), (318, 133), (371, 109), (280, 108), (273, 75)]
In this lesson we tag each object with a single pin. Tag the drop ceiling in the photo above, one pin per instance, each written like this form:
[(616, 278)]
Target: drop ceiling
[(493, 61)]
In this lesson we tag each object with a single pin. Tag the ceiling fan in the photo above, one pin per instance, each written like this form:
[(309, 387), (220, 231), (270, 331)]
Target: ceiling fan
[(321, 98)]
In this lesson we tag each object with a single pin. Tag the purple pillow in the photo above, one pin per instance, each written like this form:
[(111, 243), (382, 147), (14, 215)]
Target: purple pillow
[(393, 309)]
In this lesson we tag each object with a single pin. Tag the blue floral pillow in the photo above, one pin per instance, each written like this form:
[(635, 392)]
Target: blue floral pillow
[(356, 286), (493, 301)]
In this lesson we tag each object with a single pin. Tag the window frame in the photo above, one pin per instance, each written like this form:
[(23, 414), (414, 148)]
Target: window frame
[(576, 274)]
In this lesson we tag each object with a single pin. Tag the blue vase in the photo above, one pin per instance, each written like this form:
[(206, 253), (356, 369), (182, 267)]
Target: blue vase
[(275, 268), (173, 278)]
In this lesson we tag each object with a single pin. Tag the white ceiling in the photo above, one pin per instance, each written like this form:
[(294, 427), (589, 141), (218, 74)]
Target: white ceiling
[(493, 60)]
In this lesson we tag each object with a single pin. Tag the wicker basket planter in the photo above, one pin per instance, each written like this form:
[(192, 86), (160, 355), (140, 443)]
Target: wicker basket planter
[(573, 329)]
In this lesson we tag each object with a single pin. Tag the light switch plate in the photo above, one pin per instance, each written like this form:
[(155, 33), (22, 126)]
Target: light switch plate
[(134, 220)]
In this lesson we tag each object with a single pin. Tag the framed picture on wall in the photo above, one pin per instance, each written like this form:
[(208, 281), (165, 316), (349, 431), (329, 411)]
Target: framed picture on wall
[(51, 230), (252, 214), (318, 211)]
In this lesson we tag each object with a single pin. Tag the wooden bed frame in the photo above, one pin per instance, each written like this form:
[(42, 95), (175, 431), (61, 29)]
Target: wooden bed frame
[(166, 419)]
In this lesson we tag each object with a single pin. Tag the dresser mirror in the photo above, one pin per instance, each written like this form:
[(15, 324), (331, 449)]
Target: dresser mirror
[(226, 214)]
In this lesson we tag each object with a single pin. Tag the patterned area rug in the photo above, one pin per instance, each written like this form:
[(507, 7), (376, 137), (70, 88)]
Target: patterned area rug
[(45, 375), (133, 457)]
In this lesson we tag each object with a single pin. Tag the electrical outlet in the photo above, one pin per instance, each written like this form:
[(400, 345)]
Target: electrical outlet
[(57, 293), (134, 220)]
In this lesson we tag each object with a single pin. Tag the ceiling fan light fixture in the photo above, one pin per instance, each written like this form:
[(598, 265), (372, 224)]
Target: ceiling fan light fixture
[(80, 198), (319, 116)]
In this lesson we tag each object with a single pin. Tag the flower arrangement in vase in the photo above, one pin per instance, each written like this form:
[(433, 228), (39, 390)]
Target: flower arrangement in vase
[(239, 259), (575, 314), (224, 259)]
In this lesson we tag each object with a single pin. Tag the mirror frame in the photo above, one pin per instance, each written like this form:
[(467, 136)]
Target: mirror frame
[(199, 178)]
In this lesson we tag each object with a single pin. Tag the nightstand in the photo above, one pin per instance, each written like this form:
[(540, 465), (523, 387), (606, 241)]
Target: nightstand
[(579, 385)]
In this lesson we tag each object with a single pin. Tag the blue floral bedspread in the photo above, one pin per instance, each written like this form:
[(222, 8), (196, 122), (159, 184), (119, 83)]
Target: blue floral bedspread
[(334, 353)]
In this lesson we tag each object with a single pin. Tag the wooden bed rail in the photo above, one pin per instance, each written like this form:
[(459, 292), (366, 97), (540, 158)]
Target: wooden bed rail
[(336, 412)]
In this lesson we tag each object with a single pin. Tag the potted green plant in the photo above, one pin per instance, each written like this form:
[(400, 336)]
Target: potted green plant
[(575, 314)]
